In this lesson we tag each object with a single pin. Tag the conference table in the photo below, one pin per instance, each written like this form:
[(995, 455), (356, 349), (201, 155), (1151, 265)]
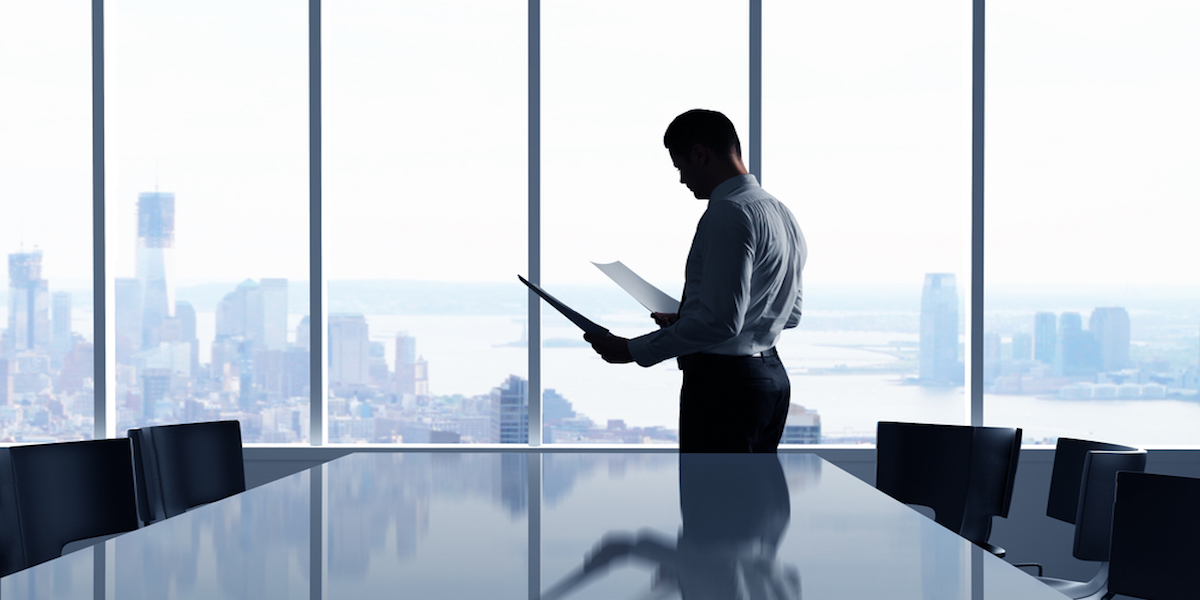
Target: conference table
[(548, 525)]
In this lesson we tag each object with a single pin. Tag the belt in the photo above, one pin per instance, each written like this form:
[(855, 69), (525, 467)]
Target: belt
[(688, 361)]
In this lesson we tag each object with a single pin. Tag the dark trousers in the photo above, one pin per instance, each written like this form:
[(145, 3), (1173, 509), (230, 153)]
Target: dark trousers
[(732, 403)]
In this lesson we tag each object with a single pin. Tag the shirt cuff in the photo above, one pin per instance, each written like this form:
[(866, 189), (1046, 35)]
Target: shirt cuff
[(639, 349)]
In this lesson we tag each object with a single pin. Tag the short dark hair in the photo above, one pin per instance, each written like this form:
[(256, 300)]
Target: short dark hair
[(708, 128)]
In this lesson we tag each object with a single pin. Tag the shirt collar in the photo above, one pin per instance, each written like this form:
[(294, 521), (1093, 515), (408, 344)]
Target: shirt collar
[(729, 185)]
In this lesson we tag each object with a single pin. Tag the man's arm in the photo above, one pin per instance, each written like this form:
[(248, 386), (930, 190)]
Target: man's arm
[(716, 308), (611, 348)]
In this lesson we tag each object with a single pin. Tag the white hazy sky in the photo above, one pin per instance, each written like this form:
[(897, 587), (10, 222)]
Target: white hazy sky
[(1090, 140)]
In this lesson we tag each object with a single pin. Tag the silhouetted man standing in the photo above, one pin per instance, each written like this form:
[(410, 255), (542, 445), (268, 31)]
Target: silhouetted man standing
[(742, 289)]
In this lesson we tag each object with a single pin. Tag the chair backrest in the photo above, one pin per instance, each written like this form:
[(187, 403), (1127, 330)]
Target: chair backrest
[(1082, 486), (54, 494), (178, 467), (1067, 475), (965, 474), (1154, 550)]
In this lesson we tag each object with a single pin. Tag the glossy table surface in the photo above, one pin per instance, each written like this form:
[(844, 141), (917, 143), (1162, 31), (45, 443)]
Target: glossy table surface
[(554, 525)]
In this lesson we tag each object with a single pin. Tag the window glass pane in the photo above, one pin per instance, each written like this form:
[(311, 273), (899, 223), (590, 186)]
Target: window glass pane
[(611, 84), (207, 121), (425, 222), (866, 136), (46, 351), (1093, 319)]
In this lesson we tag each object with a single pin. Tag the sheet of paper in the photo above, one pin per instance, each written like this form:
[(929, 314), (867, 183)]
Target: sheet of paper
[(651, 297), (584, 323)]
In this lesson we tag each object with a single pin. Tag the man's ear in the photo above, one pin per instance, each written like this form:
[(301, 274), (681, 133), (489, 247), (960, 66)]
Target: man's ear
[(699, 154)]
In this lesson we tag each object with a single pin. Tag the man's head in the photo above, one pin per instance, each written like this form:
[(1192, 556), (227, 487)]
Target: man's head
[(705, 148), (708, 128)]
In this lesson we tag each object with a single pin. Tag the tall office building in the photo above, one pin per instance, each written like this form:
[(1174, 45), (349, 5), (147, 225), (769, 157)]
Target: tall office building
[(5, 383), (412, 372), (156, 388), (240, 313), (274, 313), (349, 350), (1110, 327), (186, 315), (1022, 346), (60, 303), (128, 308), (156, 238), (939, 331), (303, 339), (28, 304), (510, 411), (1045, 337), (1077, 354), (802, 426)]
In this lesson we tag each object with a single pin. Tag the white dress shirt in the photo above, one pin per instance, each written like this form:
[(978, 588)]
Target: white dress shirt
[(743, 278)]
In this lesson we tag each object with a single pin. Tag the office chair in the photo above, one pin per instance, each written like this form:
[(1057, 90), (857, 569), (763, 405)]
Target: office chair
[(55, 494), (179, 467), (965, 474), (1082, 485), (1154, 551)]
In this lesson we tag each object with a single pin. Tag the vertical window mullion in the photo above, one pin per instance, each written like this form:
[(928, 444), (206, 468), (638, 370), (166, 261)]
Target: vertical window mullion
[(977, 130), (316, 277), (755, 134), (104, 421), (535, 224)]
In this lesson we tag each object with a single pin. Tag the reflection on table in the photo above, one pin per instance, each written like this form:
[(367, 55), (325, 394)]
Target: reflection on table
[(553, 525)]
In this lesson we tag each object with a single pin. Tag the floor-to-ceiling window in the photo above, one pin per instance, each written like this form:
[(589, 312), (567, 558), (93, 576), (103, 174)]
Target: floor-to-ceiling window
[(207, 209), (1091, 329), (46, 350), (1093, 301), (866, 136), (425, 222), (610, 86)]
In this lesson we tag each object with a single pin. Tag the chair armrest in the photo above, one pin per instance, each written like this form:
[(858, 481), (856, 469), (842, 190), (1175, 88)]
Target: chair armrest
[(1035, 565)]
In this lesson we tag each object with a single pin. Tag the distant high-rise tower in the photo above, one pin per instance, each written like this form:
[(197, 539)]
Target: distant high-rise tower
[(1110, 327), (61, 313), (510, 411), (1045, 337), (156, 237), (939, 331), (274, 317), (412, 372), (187, 331), (128, 308), (349, 350), (28, 304), (240, 314), (1077, 353), (1022, 346)]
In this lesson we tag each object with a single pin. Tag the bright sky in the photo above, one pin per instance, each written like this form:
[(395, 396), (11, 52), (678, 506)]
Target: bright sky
[(1091, 122)]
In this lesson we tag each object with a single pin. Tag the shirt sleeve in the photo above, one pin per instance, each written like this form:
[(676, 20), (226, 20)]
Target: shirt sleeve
[(715, 312)]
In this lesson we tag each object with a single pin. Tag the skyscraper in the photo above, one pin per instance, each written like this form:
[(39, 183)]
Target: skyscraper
[(128, 309), (186, 315), (412, 372), (156, 237), (1045, 337), (1077, 354), (61, 314), (274, 309), (1110, 326), (939, 331), (1022, 346), (349, 350), (28, 304), (510, 411)]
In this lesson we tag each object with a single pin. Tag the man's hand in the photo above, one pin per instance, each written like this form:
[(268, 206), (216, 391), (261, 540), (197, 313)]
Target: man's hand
[(664, 319), (611, 348)]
